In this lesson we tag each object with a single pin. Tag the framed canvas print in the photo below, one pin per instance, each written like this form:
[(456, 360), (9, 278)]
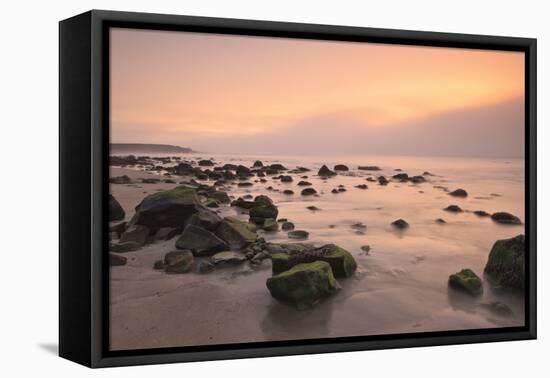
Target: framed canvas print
[(234, 188)]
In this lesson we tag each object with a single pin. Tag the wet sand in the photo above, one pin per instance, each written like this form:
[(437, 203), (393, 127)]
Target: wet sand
[(400, 286)]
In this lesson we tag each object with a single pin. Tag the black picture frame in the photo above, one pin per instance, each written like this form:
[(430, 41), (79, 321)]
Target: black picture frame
[(83, 166)]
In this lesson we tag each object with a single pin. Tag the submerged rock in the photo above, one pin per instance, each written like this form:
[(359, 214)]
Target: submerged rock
[(169, 208), (360, 186), (308, 192), (287, 226), (368, 168), (313, 208), (116, 212), (481, 213), (341, 167), (440, 221), (288, 192), (270, 224), (260, 213), (200, 241), (467, 281), (325, 171), (400, 224), (383, 180), (401, 177), (506, 263), (458, 193), (417, 179), (298, 234), (286, 178), (178, 261), (505, 218), (304, 284), (453, 209), (304, 183)]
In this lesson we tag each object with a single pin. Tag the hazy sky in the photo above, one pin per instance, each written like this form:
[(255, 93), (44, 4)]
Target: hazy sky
[(221, 93)]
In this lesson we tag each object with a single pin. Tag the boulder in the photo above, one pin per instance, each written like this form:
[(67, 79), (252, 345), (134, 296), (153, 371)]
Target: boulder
[(200, 241), (206, 219), (325, 171), (304, 284), (263, 200), (298, 234), (400, 224), (466, 280), (116, 260), (506, 263), (505, 218), (270, 224), (308, 192), (287, 226), (137, 233), (235, 233), (116, 212), (228, 257), (341, 167), (178, 261), (286, 178), (169, 208), (243, 204), (459, 193), (259, 213), (401, 177), (258, 164)]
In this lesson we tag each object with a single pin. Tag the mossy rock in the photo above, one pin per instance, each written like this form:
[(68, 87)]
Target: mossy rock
[(200, 241), (466, 280), (287, 226), (116, 212), (235, 233), (259, 213), (298, 234), (304, 284), (178, 261), (270, 224), (228, 257), (206, 219), (506, 263), (341, 261), (169, 208)]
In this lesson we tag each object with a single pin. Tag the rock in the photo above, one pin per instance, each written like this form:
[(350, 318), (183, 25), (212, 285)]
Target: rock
[(243, 204), (257, 164), (498, 308), (308, 192), (118, 228), (235, 233), (359, 226), (286, 178), (382, 180), (178, 261), (270, 224), (259, 213), (125, 247), (120, 180), (341, 167), (368, 168), (206, 163), (361, 186), (304, 183), (453, 209), (313, 208), (167, 233), (335, 191), (506, 263), (467, 281), (206, 219), (150, 180), (440, 221), (259, 257), (288, 192), (169, 181), (459, 193), (298, 234), (116, 260), (228, 257), (287, 226), (211, 203), (169, 208), (206, 266), (245, 183), (341, 261), (324, 171), (158, 265), (481, 213), (401, 177), (400, 224), (137, 233), (505, 218), (417, 179), (200, 241), (426, 173), (220, 196), (365, 248), (116, 212), (304, 284), (263, 200)]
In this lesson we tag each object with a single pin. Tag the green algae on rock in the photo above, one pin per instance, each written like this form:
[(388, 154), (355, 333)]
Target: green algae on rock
[(506, 263), (467, 281)]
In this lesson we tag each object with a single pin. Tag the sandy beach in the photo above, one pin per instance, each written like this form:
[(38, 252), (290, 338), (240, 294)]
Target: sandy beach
[(401, 281)]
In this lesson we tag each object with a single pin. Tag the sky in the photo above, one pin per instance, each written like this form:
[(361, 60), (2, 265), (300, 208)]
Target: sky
[(243, 94)]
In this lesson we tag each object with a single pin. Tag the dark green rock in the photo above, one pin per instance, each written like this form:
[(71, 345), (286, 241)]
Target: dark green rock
[(466, 280), (200, 241), (259, 213), (506, 263), (304, 284), (235, 233), (287, 226)]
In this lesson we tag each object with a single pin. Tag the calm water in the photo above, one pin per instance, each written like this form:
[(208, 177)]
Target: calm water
[(401, 284)]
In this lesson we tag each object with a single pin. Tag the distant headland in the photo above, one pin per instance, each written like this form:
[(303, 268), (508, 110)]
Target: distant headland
[(121, 148)]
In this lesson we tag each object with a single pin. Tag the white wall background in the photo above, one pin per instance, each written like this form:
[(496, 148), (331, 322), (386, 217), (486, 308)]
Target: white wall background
[(29, 213)]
